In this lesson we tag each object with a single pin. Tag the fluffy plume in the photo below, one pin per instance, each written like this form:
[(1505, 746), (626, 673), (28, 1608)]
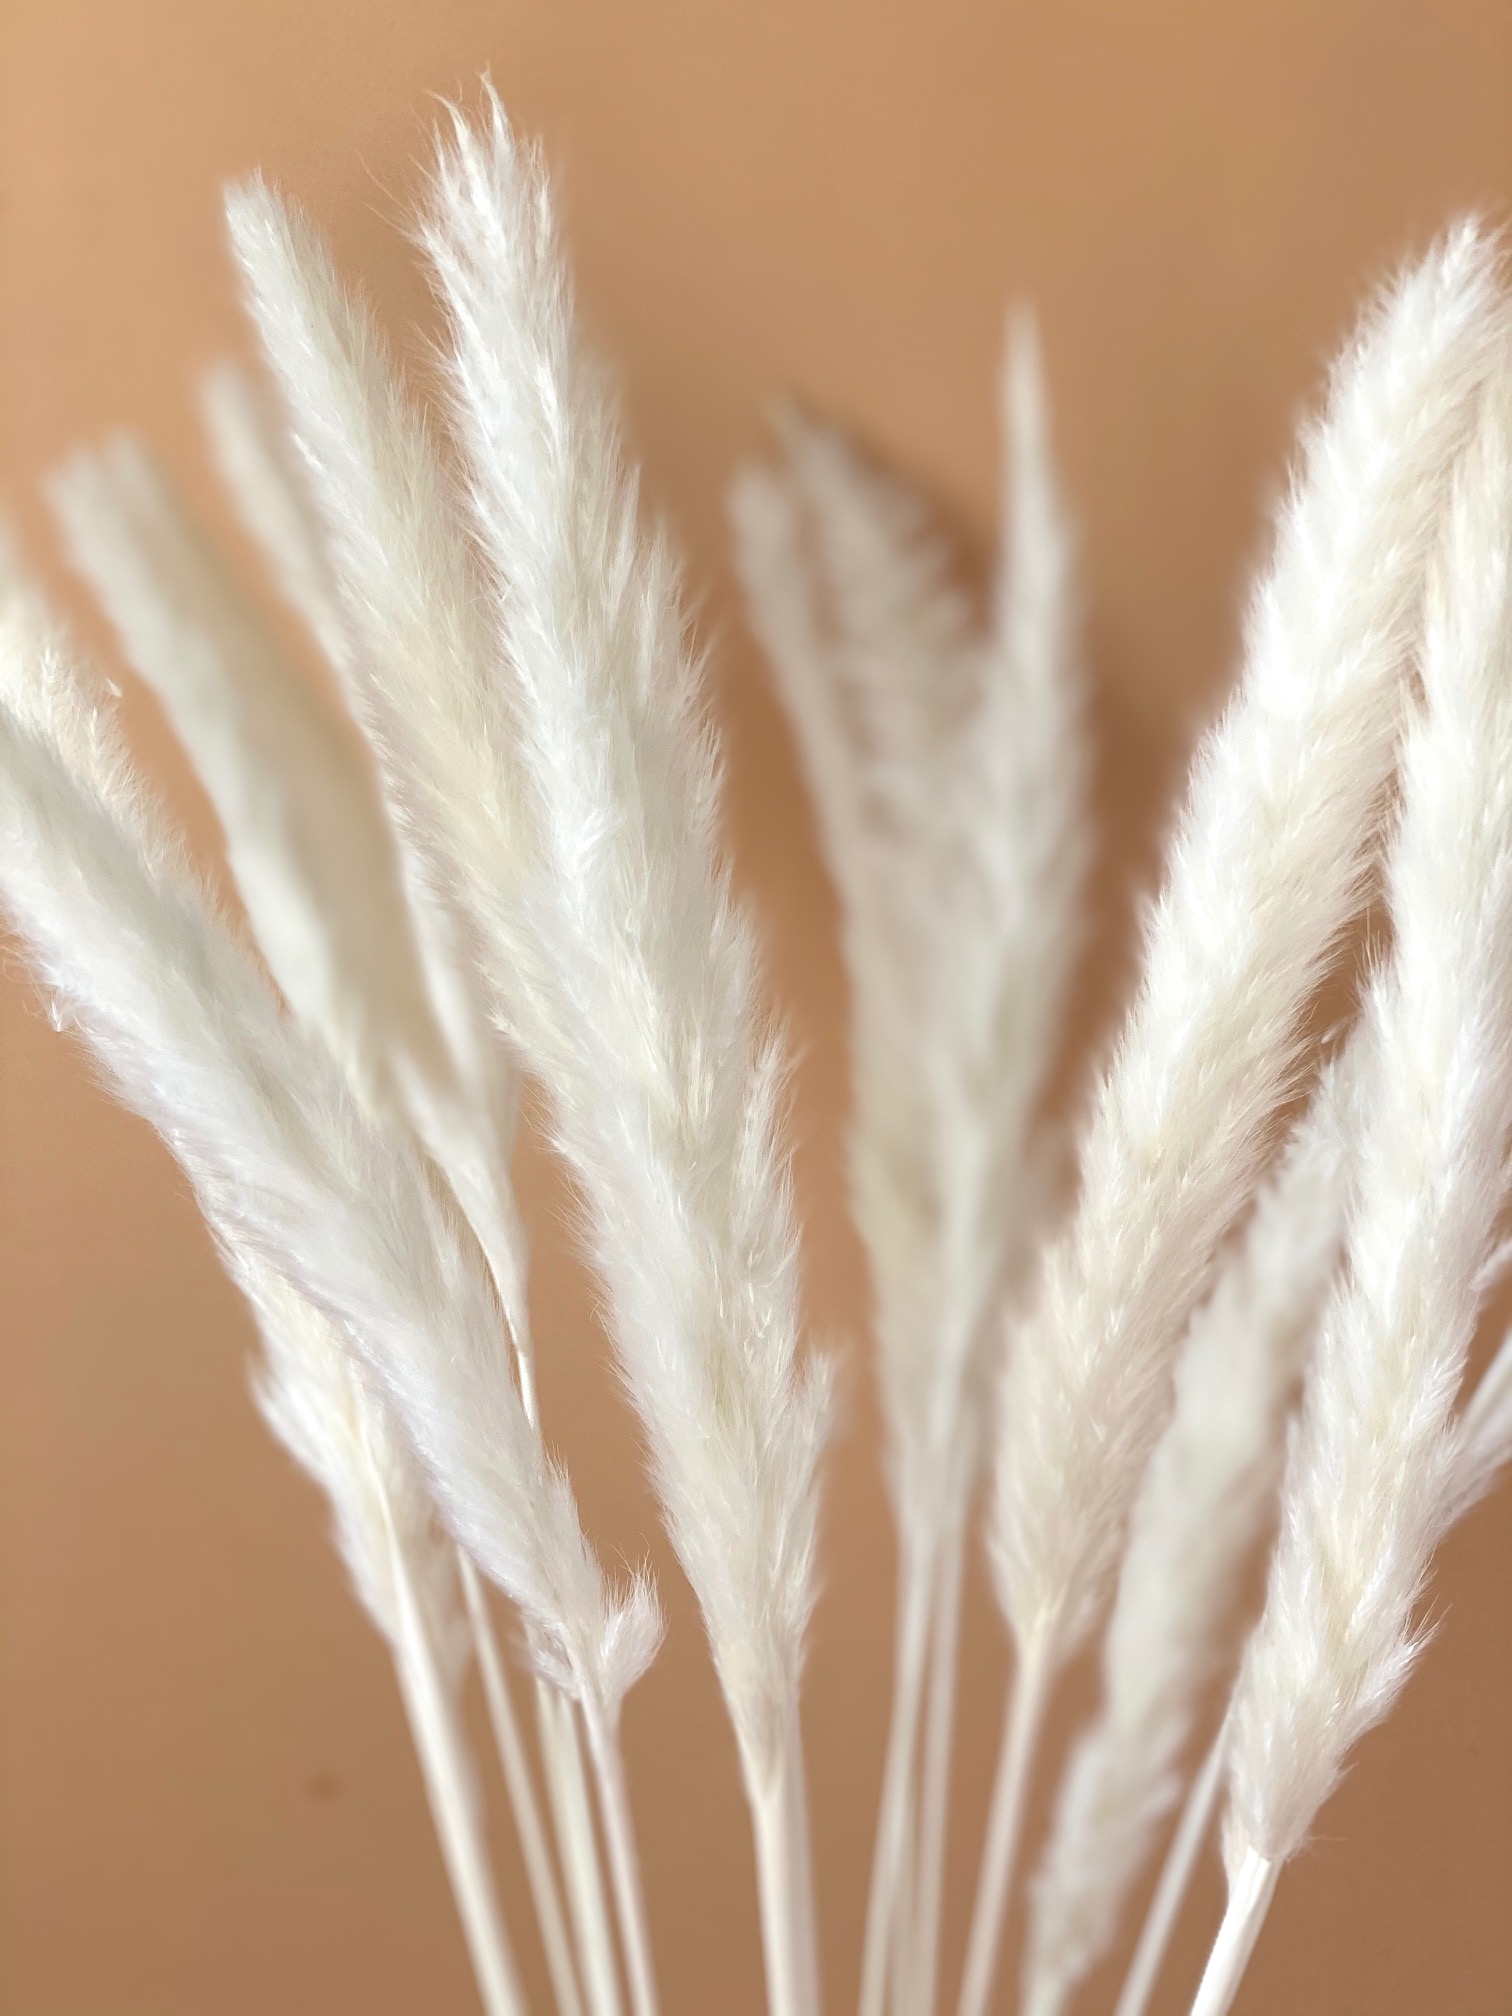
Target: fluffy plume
[(947, 767), (308, 841), (1483, 1447), (571, 806), (531, 879), (285, 1165), (647, 1027), (578, 1011), (308, 1383), (361, 623), (1371, 1479), (849, 592), (418, 661), (1205, 1497), (629, 977), (1266, 868), (948, 771)]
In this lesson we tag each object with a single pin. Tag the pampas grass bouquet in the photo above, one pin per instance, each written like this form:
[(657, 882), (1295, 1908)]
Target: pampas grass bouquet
[(1218, 1322)]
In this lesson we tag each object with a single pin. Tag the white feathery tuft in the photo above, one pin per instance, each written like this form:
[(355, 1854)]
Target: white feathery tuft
[(306, 836), (1371, 1480), (948, 769), (643, 1022), (588, 871), (1206, 1494), (309, 1386), (629, 977), (1267, 867), (1482, 1448), (416, 655), (285, 1164), (876, 661), (355, 496), (309, 844), (531, 878)]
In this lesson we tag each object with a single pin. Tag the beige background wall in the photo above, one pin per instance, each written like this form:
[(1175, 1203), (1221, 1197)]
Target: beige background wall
[(207, 1806)]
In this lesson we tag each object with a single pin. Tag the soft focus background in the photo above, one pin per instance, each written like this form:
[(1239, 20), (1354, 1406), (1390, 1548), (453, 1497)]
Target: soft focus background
[(208, 1805)]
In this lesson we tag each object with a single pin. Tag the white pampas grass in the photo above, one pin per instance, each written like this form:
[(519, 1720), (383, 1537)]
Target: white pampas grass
[(308, 841), (647, 1030), (362, 536), (573, 815), (948, 772), (1371, 1480), (1205, 1496), (467, 1122), (1266, 868), (308, 1385), (1483, 1448), (283, 1161), (306, 837), (316, 864), (530, 879)]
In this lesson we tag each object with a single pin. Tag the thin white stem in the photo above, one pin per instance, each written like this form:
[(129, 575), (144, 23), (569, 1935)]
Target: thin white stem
[(784, 1882), (934, 1793), (534, 1849), (901, 1917), (805, 1910), (1175, 1880), (1251, 1887), (577, 1848), (893, 1811), (1024, 1717), (623, 1859), (443, 1763)]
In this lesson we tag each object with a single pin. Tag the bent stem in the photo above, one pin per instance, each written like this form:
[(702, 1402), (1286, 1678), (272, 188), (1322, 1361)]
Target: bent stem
[(1022, 1722), (622, 1856), (934, 1796), (577, 1848), (440, 1747), (522, 1799), (1251, 1888), (893, 1811), (784, 1879), (1175, 1879)]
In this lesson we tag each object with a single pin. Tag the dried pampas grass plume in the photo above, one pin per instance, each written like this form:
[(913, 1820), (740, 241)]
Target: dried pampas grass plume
[(1207, 1492), (947, 763), (493, 854), (282, 1159), (1371, 1483), (1267, 867)]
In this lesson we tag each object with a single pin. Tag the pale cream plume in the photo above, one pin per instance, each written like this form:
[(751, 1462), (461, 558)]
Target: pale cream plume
[(628, 975), (1206, 1495), (1372, 1477), (947, 765), (1266, 868)]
